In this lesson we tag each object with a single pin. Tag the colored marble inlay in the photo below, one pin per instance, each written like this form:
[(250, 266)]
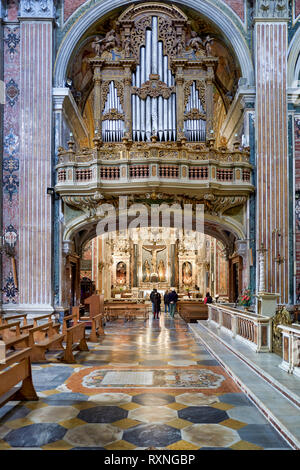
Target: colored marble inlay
[(72, 416)]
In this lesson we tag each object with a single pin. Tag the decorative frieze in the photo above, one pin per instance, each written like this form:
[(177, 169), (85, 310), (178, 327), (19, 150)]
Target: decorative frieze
[(272, 9), (37, 9)]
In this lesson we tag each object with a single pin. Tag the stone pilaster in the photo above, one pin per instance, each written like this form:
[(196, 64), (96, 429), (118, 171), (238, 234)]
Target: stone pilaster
[(35, 274), (272, 142)]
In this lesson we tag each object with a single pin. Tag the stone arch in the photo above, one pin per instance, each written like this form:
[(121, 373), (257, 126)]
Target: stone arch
[(294, 61), (222, 18)]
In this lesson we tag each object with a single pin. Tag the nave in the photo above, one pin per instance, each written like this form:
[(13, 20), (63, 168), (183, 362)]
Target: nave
[(145, 384)]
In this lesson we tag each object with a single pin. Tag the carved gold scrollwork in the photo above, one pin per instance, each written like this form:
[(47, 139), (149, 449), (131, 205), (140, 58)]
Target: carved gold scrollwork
[(194, 114), (282, 317), (113, 115), (153, 88)]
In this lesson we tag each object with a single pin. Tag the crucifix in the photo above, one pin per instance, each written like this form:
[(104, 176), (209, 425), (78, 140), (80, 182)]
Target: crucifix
[(154, 249)]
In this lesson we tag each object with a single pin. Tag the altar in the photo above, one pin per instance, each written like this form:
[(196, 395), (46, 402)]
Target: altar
[(129, 264)]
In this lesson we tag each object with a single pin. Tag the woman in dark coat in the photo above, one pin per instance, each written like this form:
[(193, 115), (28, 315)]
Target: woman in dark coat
[(155, 298)]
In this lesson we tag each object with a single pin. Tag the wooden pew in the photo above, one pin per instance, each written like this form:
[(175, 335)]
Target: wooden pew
[(15, 367), (129, 310), (18, 317), (193, 311), (97, 328), (12, 336), (74, 338), (44, 338), (96, 306)]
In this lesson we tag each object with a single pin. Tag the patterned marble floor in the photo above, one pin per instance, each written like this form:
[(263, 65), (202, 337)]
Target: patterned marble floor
[(144, 384)]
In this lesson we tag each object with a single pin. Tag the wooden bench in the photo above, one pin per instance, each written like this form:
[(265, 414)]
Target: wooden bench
[(97, 328), (128, 310), (74, 338), (15, 367), (44, 338), (193, 311), (12, 336), (18, 317)]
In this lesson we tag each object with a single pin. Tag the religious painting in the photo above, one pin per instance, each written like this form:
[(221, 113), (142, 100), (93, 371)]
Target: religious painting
[(187, 273), (121, 273)]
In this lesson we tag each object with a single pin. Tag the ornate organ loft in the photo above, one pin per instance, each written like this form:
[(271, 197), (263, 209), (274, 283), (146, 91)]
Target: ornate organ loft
[(153, 82), (153, 79)]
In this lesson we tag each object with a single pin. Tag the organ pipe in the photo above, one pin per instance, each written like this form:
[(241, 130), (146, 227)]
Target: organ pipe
[(194, 129), (153, 115), (112, 129)]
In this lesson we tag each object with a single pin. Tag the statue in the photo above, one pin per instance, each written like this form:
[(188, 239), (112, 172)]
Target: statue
[(96, 45), (154, 249), (127, 47), (161, 271), (187, 273), (147, 272), (207, 44), (106, 44), (179, 46), (195, 42)]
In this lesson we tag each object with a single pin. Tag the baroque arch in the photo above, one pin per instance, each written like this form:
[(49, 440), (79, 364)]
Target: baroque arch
[(220, 16)]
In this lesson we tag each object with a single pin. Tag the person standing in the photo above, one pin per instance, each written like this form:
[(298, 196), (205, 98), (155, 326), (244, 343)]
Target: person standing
[(155, 298), (208, 298), (172, 298), (166, 301)]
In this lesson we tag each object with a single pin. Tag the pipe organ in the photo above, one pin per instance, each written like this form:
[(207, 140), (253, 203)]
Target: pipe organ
[(153, 115), (153, 79)]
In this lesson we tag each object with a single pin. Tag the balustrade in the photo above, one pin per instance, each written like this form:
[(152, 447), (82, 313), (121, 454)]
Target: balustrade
[(84, 174), (139, 171), (224, 174), (110, 172), (253, 330), (168, 171), (198, 173), (290, 348)]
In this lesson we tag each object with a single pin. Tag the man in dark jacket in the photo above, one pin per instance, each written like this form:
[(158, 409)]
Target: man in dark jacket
[(155, 298), (172, 298)]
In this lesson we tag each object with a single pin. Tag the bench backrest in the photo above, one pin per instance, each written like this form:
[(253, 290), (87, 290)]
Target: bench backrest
[(96, 304), (68, 318), (5, 319), (10, 330)]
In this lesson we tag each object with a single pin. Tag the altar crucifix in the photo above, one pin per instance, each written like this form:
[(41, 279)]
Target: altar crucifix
[(154, 249)]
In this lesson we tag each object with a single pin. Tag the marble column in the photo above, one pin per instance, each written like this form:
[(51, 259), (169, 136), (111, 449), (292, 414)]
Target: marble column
[(35, 244), (271, 29)]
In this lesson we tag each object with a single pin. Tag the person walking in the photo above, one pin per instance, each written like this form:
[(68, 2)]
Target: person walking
[(166, 302), (208, 298), (172, 298), (155, 298)]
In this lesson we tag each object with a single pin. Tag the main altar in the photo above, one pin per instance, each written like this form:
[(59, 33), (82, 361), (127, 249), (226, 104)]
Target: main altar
[(135, 261)]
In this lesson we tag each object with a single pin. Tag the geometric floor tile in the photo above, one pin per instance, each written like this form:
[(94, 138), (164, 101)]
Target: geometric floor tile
[(126, 423), (179, 423), (52, 414), (233, 424), (210, 435), (153, 414), (91, 435), (36, 435), (196, 399), (120, 445), (243, 445), (203, 414), (149, 435), (182, 445)]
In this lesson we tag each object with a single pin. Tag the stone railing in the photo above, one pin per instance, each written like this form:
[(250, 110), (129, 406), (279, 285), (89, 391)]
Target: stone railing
[(113, 165), (253, 330), (290, 348)]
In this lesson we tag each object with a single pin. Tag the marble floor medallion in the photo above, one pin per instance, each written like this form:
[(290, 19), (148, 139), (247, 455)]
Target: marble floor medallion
[(95, 378)]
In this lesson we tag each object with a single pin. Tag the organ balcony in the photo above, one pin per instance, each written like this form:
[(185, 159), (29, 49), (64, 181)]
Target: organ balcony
[(130, 167)]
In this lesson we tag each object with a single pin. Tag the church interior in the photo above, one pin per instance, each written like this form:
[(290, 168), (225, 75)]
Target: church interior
[(149, 225)]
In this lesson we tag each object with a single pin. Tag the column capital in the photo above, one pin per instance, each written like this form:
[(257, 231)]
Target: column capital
[(37, 9), (271, 10)]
